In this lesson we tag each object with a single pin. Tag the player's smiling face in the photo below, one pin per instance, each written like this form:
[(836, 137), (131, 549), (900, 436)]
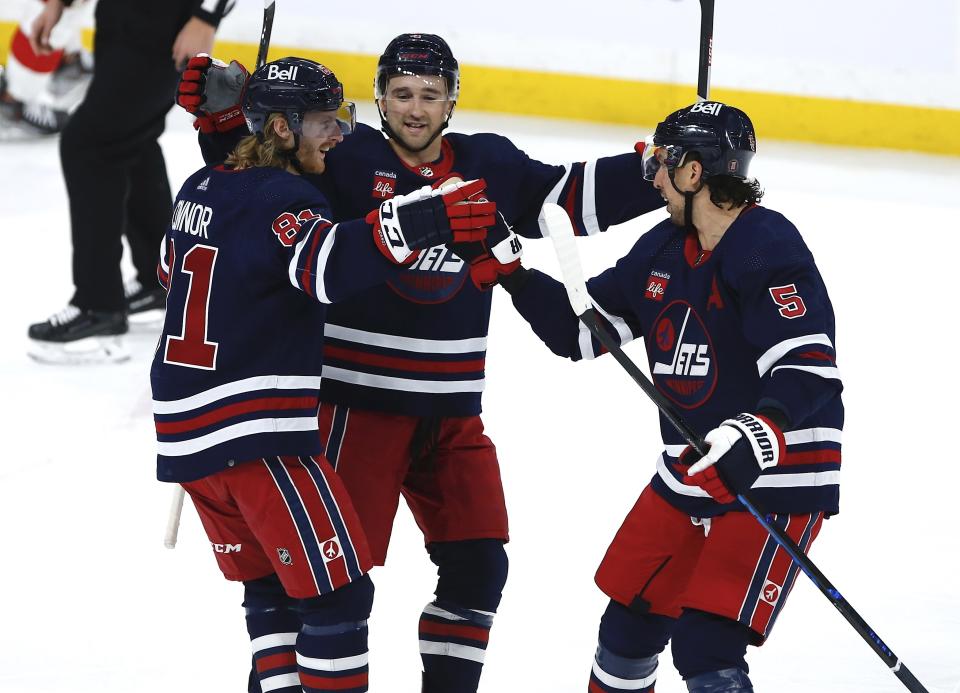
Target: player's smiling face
[(415, 107), (676, 203), (320, 133)]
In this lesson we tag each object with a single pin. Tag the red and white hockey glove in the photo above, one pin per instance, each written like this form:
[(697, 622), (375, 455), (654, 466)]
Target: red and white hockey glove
[(211, 90), (429, 217), (740, 449), (495, 257)]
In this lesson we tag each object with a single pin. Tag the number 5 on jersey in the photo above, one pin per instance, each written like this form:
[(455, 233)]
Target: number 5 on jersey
[(192, 348), (791, 305)]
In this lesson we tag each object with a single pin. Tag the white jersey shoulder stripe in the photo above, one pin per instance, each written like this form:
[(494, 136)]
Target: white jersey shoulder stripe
[(414, 344), (259, 382), (590, 198), (325, 249), (778, 351)]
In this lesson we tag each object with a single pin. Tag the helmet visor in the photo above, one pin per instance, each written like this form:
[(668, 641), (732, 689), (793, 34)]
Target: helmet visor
[(330, 123), (657, 155), (441, 83)]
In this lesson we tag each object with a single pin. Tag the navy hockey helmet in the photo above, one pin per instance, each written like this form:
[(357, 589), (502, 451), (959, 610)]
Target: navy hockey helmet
[(722, 135), (294, 87), (418, 54)]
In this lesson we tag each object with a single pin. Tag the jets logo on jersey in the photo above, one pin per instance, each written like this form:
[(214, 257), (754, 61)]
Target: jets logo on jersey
[(771, 592), (657, 285), (384, 184), (436, 277), (331, 550), (683, 361)]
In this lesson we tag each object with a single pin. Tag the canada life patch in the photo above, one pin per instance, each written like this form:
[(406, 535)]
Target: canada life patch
[(657, 285), (384, 184), (683, 360)]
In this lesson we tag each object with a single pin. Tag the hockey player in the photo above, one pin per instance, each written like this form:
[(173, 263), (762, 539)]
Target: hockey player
[(735, 318), (404, 362), (250, 262)]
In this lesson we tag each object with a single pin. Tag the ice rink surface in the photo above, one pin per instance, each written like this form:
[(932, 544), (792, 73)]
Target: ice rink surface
[(93, 602)]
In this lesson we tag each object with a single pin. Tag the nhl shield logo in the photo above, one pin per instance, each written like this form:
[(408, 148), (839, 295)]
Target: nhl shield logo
[(285, 557)]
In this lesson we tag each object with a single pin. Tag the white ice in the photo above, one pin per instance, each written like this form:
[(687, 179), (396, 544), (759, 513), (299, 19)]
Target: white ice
[(91, 601)]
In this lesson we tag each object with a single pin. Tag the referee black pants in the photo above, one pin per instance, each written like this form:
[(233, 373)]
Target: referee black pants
[(114, 169)]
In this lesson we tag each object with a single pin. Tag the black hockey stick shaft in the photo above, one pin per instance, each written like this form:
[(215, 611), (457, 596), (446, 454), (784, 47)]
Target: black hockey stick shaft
[(561, 234), (706, 49), (269, 9)]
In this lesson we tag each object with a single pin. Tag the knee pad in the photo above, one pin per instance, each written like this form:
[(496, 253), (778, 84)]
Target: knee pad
[(471, 573), (706, 643), (350, 603), (627, 633), (265, 594)]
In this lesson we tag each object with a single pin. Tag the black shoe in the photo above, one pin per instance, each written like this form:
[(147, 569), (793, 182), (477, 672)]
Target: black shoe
[(140, 299), (71, 324), (79, 336)]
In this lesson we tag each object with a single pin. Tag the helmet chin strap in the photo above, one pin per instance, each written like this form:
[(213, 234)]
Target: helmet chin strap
[(688, 196)]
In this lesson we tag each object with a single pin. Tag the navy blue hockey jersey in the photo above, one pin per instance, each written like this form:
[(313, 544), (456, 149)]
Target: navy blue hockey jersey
[(250, 261), (417, 344), (746, 326)]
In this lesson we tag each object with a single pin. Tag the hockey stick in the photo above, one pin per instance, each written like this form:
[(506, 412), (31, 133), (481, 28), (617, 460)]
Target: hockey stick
[(561, 235), (173, 520), (706, 49), (269, 9)]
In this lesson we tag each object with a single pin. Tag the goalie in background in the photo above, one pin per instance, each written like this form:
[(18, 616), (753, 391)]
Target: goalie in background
[(739, 335)]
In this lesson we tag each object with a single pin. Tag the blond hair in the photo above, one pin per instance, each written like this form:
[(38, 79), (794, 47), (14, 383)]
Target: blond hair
[(251, 151)]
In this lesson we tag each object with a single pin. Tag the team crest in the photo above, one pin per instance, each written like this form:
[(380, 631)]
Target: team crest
[(285, 557), (657, 285), (771, 592), (331, 550), (436, 277), (683, 361), (384, 184)]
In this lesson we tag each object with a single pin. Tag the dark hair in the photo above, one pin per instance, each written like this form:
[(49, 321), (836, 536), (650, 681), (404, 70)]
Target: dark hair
[(733, 190), (730, 189)]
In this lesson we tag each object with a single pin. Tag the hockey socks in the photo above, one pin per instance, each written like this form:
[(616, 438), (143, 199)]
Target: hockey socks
[(453, 643), (612, 673), (273, 624), (332, 646)]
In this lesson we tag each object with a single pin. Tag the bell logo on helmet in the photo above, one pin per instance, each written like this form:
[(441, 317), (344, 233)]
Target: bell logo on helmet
[(711, 107), (275, 72)]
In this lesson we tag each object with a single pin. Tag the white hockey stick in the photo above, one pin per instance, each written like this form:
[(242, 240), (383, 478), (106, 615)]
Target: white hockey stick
[(173, 520)]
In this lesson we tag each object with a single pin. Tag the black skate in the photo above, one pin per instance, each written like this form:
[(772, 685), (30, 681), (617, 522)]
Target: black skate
[(145, 306), (75, 336)]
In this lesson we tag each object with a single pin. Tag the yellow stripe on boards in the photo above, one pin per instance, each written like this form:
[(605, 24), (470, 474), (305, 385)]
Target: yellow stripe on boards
[(602, 99)]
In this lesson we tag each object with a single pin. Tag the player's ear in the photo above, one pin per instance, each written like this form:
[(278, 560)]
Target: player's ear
[(281, 128)]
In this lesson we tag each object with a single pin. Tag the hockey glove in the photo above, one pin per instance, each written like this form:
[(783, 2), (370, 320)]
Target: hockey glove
[(429, 217), (493, 258), (211, 90), (740, 449)]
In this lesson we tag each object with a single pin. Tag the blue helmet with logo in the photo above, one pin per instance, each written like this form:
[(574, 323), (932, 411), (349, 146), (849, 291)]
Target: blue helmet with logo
[(418, 54), (294, 87), (722, 135)]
